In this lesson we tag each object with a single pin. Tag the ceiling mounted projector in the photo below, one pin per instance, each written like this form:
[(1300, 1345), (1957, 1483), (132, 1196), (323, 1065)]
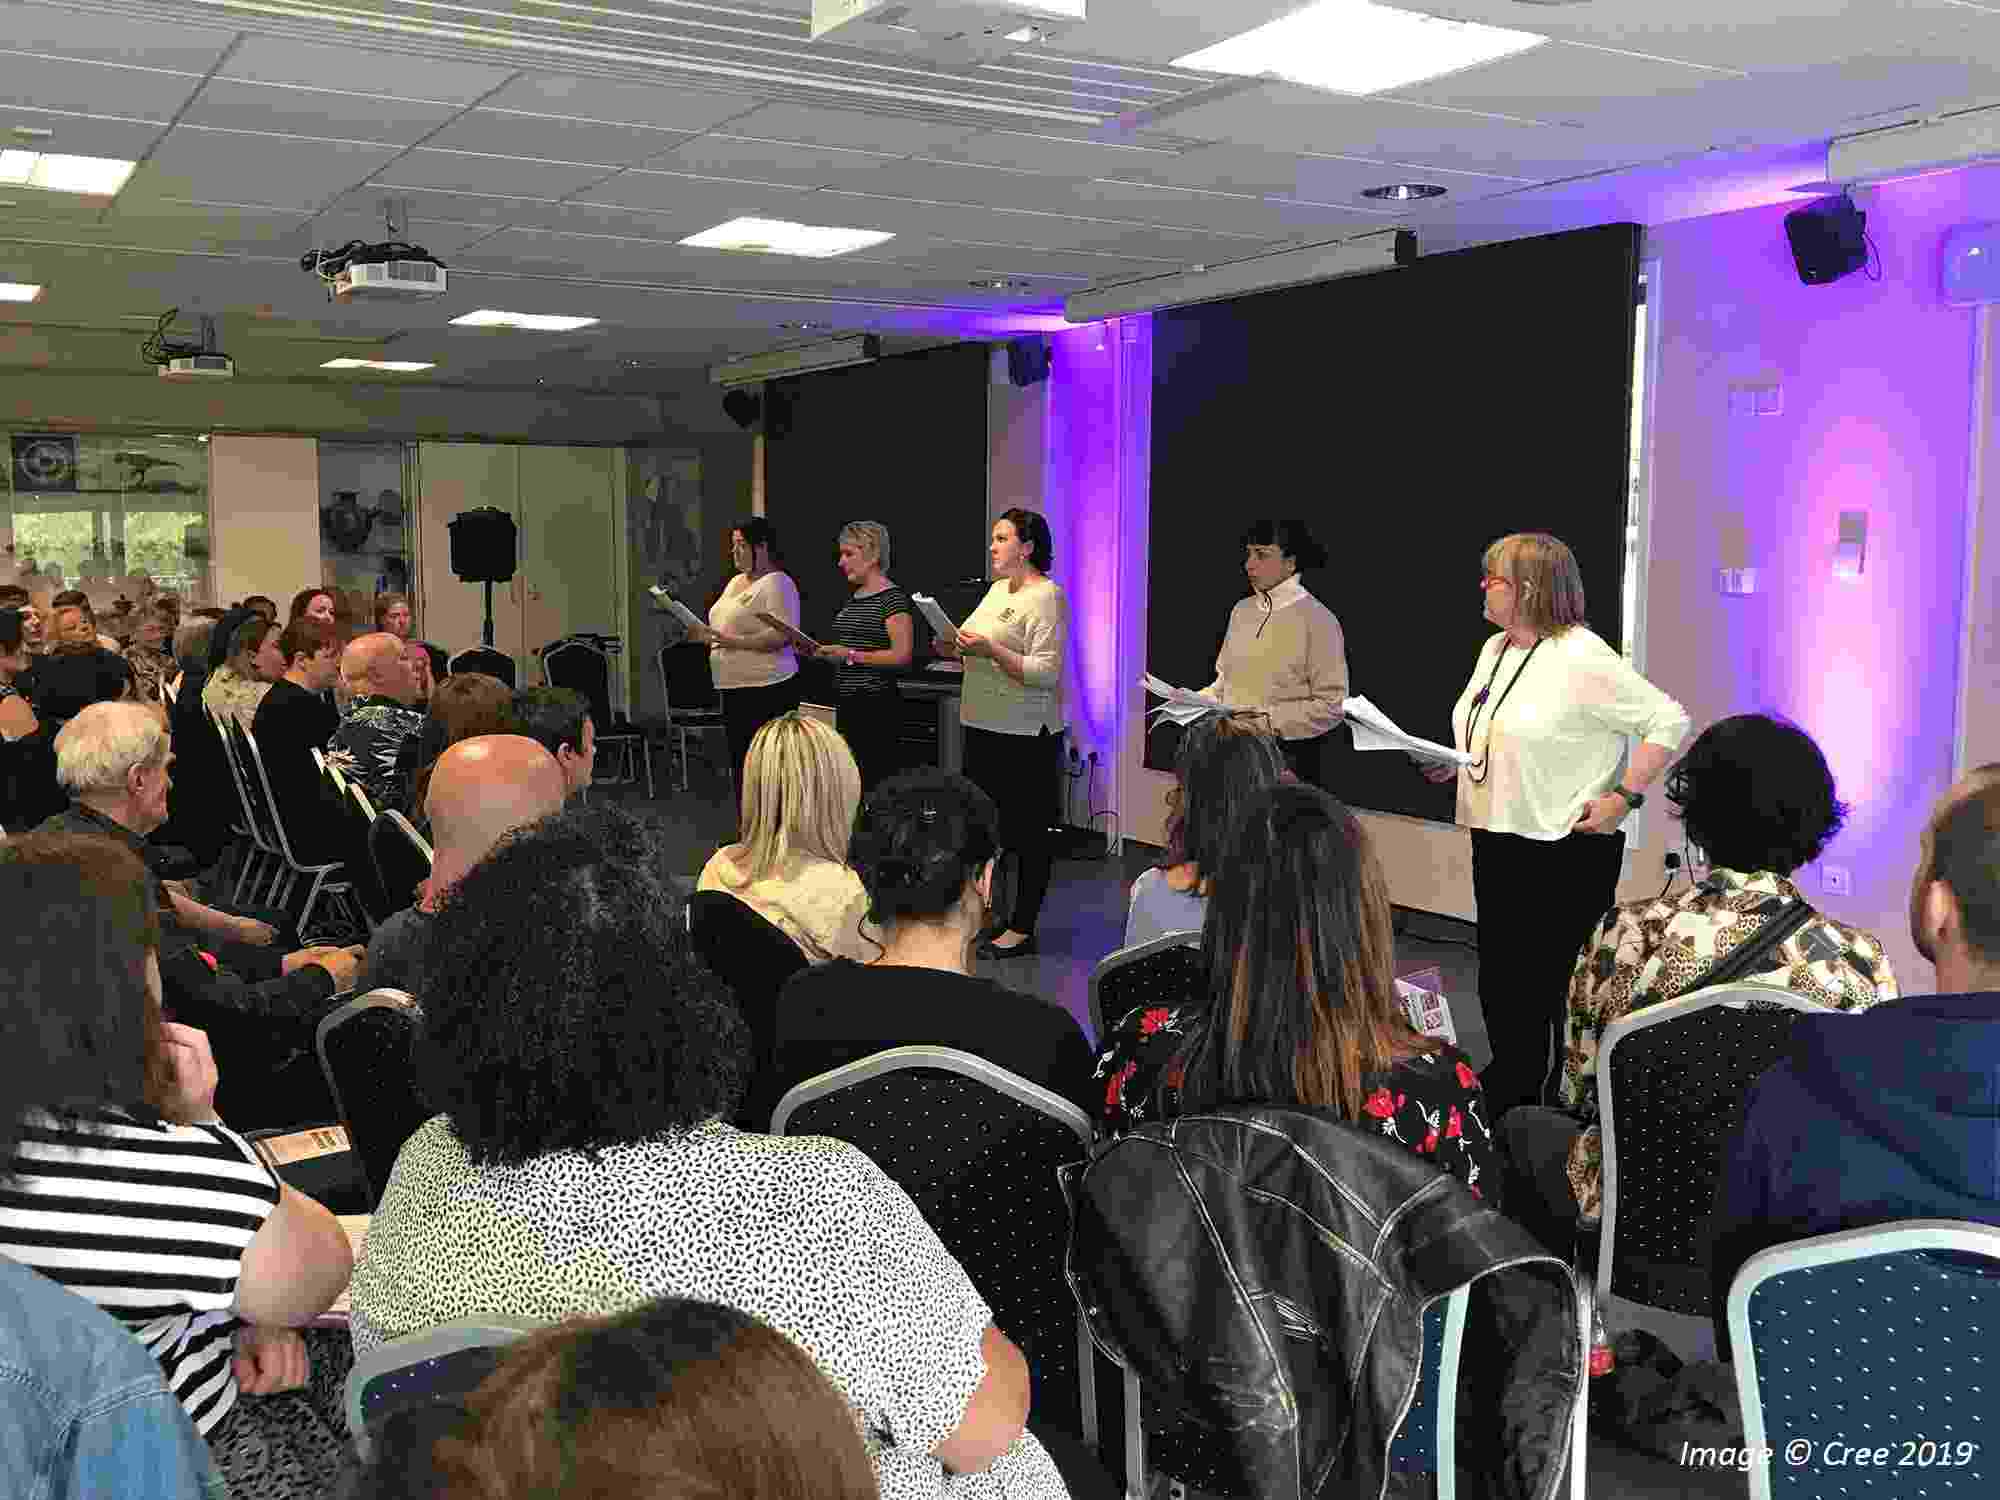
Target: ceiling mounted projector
[(953, 33), (831, 355), (391, 271), (199, 367), (177, 359)]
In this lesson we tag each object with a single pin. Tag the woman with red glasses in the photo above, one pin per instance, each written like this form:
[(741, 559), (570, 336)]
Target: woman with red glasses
[(1546, 716)]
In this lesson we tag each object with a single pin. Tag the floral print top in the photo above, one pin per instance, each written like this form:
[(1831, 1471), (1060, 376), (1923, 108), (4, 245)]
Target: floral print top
[(1431, 1104), (1647, 951)]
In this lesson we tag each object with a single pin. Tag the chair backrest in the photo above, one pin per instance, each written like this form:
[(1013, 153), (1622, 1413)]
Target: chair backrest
[(441, 1363), (582, 665), (401, 858), (976, 1147), (1870, 1338), (1161, 968), (484, 659), (359, 794), (686, 679), (256, 820), (750, 954), (1670, 1079), (257, 781), (364, 1050)]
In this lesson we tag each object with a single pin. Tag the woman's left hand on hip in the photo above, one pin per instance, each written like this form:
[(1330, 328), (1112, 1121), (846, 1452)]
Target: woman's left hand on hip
[(1602, 814)]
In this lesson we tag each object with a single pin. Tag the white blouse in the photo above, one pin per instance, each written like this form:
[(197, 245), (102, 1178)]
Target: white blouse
[(1033, 621), (735, 613), (1553, 736)]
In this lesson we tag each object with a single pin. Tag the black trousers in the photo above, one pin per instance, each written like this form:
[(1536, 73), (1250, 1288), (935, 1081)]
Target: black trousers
[(872, 725), (1018, 772), (747, 710), (1538, 903), (1537, 1196), (1317, 761)]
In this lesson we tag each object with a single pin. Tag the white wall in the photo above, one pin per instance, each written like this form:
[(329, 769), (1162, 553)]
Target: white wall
[(264, 515)]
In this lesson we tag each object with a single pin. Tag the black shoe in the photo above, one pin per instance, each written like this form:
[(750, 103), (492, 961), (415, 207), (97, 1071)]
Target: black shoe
[(988, 950)]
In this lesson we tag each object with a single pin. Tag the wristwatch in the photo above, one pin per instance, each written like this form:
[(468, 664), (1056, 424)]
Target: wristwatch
[(1633, 800)]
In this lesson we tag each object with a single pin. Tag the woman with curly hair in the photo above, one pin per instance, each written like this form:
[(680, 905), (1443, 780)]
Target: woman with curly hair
[(673, 1398), (1292, 1001), (586, 1064), (1755, 795)]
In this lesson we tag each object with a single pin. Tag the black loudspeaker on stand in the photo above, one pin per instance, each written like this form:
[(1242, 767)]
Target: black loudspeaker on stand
[(483, 548)]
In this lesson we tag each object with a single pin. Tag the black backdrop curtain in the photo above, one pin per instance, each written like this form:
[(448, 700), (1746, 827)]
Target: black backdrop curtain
[(1411, 417), (901, 441)]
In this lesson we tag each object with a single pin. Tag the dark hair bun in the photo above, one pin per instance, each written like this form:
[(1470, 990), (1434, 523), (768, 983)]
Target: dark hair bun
[(920, 837)]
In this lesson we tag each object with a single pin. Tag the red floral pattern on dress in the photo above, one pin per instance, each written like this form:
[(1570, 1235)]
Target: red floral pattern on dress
[(1114, 1093), (1380, 1105), (1154, 1019), (1467, 1079)]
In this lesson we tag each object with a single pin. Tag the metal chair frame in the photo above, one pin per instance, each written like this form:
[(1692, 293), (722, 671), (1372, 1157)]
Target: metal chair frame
[(625, 739), (263, 862), (684, 722), (295, 869), (389, 999), (489, 1331)]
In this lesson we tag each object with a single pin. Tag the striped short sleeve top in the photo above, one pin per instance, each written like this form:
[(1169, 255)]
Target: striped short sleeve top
[(863, 623), (150, 1222)]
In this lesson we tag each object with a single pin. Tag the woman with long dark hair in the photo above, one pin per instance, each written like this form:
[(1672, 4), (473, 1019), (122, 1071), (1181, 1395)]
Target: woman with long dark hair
[(1299, 1008)]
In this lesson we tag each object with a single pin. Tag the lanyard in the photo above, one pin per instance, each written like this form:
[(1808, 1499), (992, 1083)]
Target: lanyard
[(1477, 771)]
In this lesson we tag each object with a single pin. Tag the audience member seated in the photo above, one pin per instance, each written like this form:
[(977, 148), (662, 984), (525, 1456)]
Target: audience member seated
[(1757, 797), (379, 717), (1223, 762), (1890, 1114), (420, 669), (586, 1063), (125, 1186), (79, 629), (925, 849), (76, 671), (116, 761), (560, 719), (264, 604), (149, 657), (392, 615), (1301, 1010), (463, 708), (191, 643), (254, 662), (294, 720), (800, 791), (480, 790), (87, 1407), (28, 790), (203, 803), (316, 604), (673, 1399)]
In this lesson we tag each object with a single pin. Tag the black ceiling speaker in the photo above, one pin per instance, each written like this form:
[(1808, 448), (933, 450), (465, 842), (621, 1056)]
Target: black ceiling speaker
[(1829, 239), (742, 406), (1028, 359), (483, 546)]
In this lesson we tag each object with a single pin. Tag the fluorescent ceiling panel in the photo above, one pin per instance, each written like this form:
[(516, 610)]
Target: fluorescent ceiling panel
[(1358, 47), (779, 237), (18, 291), (400, 366), (100, 176), (488, 317)]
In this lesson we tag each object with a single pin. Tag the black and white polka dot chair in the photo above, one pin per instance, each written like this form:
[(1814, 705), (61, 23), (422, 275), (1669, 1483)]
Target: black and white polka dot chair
[(1165, 970), (1850, 1344), (435, 1364), (1670, 1083), (976, 1147)]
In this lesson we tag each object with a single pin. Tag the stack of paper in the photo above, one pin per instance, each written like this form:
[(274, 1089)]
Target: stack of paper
[(1183, 705), (940, 622), (677, 609), (1375, 730)]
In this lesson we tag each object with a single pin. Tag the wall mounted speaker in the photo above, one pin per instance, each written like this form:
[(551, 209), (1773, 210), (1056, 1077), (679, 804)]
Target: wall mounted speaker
[(483, 544), (1028, 359), (1829, 240), (742, 406)]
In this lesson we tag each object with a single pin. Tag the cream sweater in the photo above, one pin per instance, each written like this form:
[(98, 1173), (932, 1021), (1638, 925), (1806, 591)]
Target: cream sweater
[(1284, 654), (818, 904), (1034, 622)]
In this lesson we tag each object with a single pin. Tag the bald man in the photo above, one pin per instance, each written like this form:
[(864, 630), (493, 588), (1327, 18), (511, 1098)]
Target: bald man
[(481, 790), (379, 718)]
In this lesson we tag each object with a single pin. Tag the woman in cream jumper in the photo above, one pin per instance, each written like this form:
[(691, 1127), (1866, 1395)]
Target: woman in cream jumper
[(1284, 654), (1013, 647)]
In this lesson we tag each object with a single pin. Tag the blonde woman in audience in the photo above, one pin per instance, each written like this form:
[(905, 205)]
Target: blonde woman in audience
[(801, 788), (245, 676), (675, 1398)]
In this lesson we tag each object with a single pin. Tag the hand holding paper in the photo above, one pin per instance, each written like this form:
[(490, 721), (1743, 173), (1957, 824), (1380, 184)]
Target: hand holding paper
[(940, 622), (677, 609), (1375, 730), (799, 639), (1183, 705)]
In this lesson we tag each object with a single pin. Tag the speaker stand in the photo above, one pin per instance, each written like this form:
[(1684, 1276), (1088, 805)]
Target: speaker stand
[(486, 634)]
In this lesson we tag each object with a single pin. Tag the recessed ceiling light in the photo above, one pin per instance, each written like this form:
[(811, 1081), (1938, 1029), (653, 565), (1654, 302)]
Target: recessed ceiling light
[(1403, 192), (100, 176), (801, 326), (1358, 47), (488, 317), (997, 284), (400, 366), (18, 291), (781, 237)]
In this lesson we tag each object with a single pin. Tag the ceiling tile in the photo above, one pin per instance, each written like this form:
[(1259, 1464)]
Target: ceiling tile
[(1326, 179), (442, 238), (841, 127), (495, 209), (685, 193), (83, 135), (954, 258), (279, 60), (1183, 246), (204, 226), (499, 132), (719, 155), (976, 186), (952, 221), (227, 166), (1230, 213), (1061, 156), (29, 214), (92, 88), (628, 223), (1160, 30), (663, 106), (288, 109), (1564, 83), (467, 172), (127, 39)]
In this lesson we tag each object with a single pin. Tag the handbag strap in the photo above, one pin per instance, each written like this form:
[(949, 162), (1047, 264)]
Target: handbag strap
[(1744, 959)]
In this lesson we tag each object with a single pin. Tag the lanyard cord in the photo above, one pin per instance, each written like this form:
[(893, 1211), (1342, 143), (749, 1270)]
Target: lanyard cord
[(1477, 771)]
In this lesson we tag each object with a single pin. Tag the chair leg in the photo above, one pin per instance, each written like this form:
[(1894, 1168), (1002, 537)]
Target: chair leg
[(1135, 1442), (1086, 1379)]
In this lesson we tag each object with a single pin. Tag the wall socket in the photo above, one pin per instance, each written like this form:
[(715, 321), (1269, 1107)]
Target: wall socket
[(1836, 880)]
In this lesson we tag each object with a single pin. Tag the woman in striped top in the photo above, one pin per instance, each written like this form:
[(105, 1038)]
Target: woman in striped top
[(874, 636), (122, 1185)]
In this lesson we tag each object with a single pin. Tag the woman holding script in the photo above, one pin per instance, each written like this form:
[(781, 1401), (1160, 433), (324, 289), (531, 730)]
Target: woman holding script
[(756, 670), (874, 636), (1546, 715), (1013, 648)]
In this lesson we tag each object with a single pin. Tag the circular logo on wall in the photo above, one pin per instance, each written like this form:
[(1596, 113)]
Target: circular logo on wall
[(45, 463)]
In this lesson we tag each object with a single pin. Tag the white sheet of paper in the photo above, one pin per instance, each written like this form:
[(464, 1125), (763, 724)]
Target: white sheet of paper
[(677, 609), (1375, 730), (1183, 705), (799, 639), (941, 625)]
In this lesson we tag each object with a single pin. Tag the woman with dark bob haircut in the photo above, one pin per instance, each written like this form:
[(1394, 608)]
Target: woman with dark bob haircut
[(672, 1399), (1295, 1004), (1755, 794), (586, 1066)]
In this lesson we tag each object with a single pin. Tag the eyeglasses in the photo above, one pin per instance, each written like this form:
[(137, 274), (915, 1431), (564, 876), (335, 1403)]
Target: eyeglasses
[(1487, 580)]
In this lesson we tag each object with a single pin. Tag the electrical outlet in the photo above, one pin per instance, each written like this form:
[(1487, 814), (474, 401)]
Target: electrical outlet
[(1837, 880)]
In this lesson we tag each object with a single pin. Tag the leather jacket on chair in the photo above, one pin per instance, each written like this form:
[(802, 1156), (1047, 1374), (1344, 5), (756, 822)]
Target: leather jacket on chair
[(1265, 1272)]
